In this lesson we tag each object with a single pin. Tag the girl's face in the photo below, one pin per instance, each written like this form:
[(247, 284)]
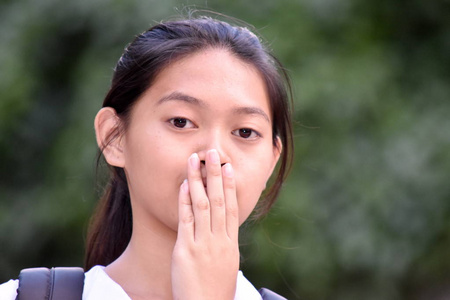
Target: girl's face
[(208, 100)]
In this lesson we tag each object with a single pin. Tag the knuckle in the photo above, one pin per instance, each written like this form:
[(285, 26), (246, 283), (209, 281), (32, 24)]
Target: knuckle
[(215, 171), (198, 180), (218, 201), (187, 219), (202, 204), (185, 201), (197, 176), (233, 211), (228, 184)]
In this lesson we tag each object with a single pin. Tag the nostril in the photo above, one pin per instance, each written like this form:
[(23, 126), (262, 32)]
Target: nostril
[(204, 163)]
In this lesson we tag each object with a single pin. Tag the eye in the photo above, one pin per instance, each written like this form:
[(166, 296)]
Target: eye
[(181, 123), (246, 133)]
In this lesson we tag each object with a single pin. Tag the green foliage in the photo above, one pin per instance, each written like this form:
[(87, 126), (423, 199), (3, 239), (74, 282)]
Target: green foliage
[(365, 213)]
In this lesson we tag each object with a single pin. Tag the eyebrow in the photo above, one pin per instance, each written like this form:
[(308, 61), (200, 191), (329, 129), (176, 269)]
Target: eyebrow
[(177, 96), (251, 111), (245, 110)]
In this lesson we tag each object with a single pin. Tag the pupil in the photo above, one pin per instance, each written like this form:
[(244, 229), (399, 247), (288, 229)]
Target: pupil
[(179, 122), (245, 133)]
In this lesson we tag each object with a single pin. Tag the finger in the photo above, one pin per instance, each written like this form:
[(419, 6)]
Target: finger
[(185, 214), (231, 203), (200, 202), (214, 189)]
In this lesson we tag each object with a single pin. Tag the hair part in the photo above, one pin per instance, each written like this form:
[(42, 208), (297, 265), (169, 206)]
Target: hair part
[(150, 52)]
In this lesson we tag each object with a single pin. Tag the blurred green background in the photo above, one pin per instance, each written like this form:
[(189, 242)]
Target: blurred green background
[(366, 211)]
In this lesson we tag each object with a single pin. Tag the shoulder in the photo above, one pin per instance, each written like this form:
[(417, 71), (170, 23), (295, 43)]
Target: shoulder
[(98, 285), (8, 290), (245, 290)]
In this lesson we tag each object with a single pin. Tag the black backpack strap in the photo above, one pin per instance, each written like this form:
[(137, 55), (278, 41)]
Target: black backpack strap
[(267, 294), (51, 284)]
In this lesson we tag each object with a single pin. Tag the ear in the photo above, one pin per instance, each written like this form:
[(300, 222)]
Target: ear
[(277, 148), (108, 139)]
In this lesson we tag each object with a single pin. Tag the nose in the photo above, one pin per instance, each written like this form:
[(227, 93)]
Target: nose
[(214, 140), (223, 157)]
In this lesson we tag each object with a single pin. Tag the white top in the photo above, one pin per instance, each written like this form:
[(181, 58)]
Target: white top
[(98, 285)]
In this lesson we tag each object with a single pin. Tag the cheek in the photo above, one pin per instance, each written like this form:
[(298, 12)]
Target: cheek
[(246, 204), (154, 158), (155, 169), (250, 185)]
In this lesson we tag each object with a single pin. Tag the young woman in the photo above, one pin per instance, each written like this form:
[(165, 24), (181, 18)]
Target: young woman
[(193, 126)]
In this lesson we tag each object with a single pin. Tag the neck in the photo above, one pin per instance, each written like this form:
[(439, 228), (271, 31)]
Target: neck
[(144, 269)]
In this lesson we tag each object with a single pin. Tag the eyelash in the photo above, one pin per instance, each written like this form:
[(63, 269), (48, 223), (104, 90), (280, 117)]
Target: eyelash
[(253, 134), (174, 121)]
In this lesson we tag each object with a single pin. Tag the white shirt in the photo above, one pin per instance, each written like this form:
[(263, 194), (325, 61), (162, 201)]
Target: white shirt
[(98, 285)]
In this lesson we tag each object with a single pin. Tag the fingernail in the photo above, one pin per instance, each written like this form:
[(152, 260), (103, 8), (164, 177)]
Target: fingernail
[(228, 170), (185, 186), (194, 161), (214, 156)]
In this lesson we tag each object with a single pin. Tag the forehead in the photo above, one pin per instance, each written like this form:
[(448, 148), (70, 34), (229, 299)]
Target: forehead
[(215, 76)]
